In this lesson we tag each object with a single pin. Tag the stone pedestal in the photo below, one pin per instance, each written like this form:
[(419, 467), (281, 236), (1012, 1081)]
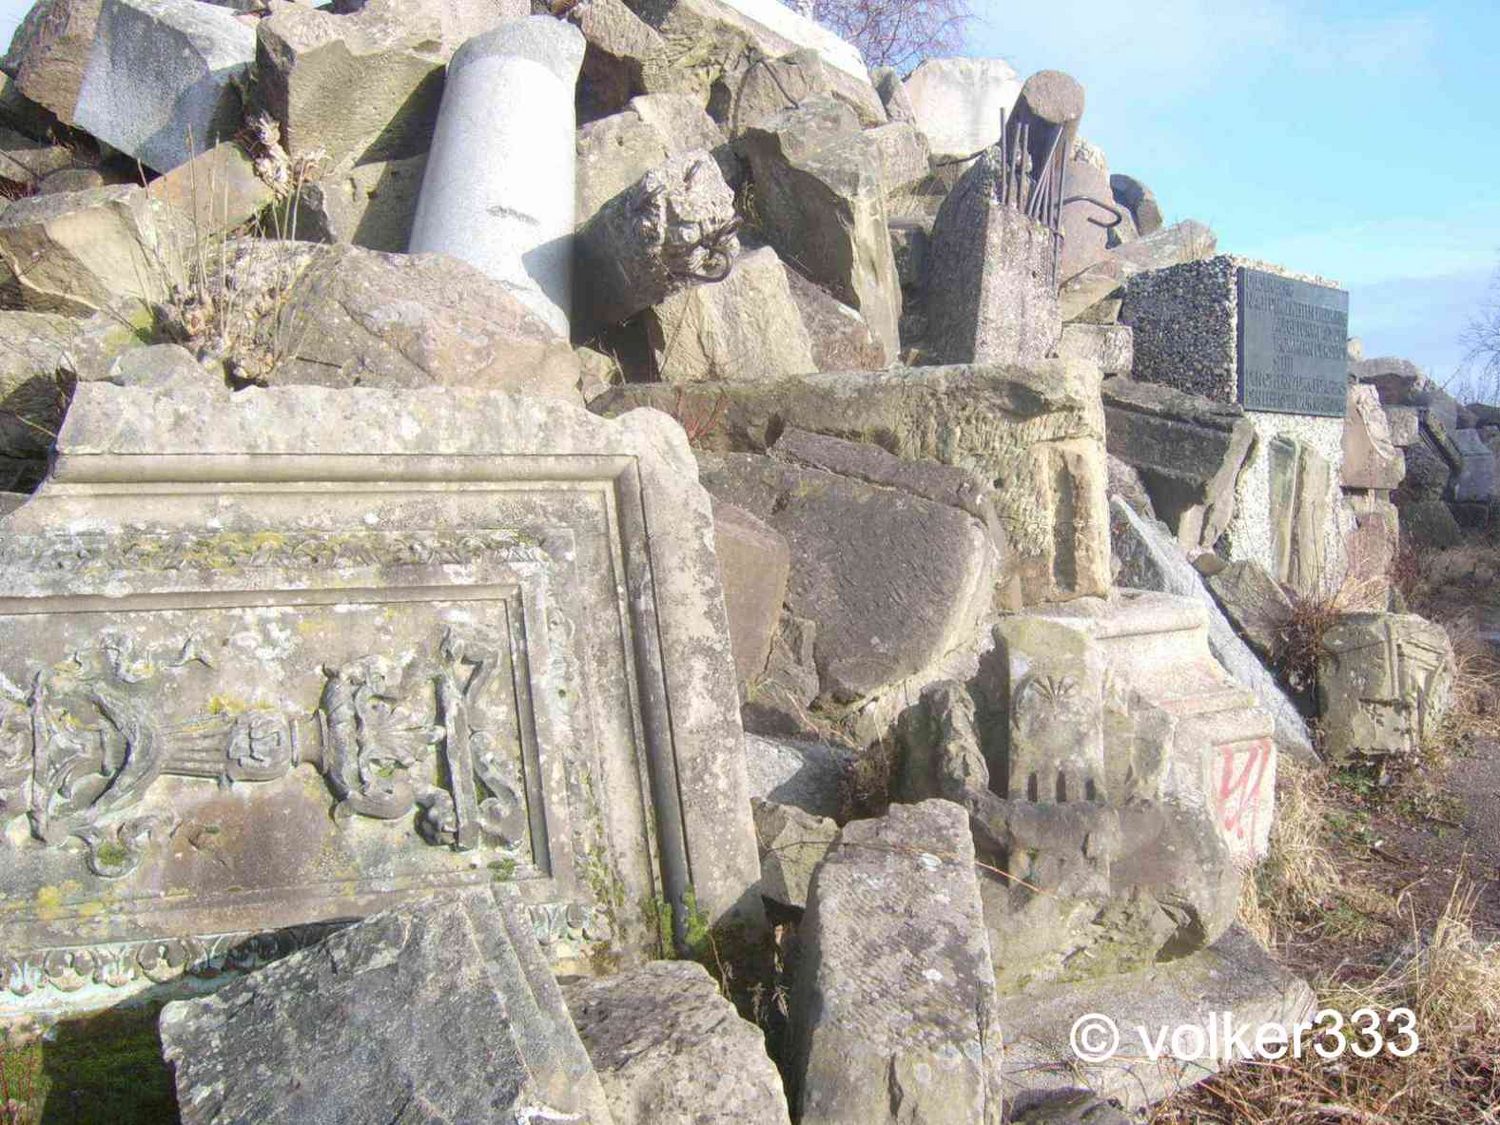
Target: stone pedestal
[(498, 191), (1384, 684), (991, 289)]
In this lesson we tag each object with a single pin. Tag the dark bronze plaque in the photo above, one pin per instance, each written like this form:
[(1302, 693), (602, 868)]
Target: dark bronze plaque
[(1292, 345)]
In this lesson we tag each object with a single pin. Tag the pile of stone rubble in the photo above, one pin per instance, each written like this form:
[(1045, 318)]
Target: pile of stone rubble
[(500, 498)]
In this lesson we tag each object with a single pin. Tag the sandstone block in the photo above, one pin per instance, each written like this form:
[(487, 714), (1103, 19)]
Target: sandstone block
[(958, 103), (1139, 200), (613, 153), (50, 52), (893, 1010), (1384, 684), (754, 562), (792, 844), (1255, 604), (357, 1029), (1371, 458)]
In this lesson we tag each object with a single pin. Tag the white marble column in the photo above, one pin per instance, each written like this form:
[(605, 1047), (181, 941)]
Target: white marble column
[(498, 189)]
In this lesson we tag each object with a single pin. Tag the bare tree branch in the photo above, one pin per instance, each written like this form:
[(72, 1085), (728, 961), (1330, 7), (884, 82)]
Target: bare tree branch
[(897, 33)]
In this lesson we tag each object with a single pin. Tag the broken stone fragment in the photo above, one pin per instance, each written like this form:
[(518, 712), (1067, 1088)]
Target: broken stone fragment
[(369, 205), (1109, 347), (792, 844), (1371, 459), (893, 1013), (1186, 241), (1039, 436), (620, 46), (217, 188), (958, 103), (161, 81), (29, 162), (76, 252), (745, 326), (754, 561), (670, 1049), (815, 777), (442, 1010), (1139, 200), (1190, 452), (1255, 604), (36, 381), (840, 338), (820, 201), (498, 188), (50, 51), (343, 316), (887, 82), (893, 580), (614, 152), (1385, 681), (1085, 223), (673, 229)]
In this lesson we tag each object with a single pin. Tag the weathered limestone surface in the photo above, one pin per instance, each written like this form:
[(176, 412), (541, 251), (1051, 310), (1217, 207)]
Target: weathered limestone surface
[(754, 562), (614, 152), (1110, 347), (1036, 431), (50, 51), (80, 251), (744, 327), (436, 1011), (895, 912), (990, 290), (1150, 559), (792, 844), (1371, 458), (711, 45), (672, 229), (364, 86), (160, 80), (892, 580), (820, 201), (958, 103), (498, 189), (1234, 975), (1384, 684), (670, 1050), (349, 317), (1255, 603), (1189, 451), (395, 636)]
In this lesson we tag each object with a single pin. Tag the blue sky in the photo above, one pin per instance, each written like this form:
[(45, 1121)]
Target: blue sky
[(1358, 140)]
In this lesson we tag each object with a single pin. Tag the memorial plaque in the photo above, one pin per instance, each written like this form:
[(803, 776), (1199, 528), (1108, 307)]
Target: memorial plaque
[(274, 661), (1293, 338)]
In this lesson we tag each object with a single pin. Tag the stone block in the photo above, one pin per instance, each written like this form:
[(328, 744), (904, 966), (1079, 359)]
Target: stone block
[(670, 1049), (812, 776), (839, 337), (343, 316), (1234, 976), (620, 47), (991, 277), (1371, 458), (1372, 546), (892, 1017), (888, 84), (1036, 431), (614, 152), (1404, 424), (1139, 200), (364, 86), (1429, 523), (1475, 482), (80, 251), (1189, 451), (160, 84), (1085, 224), (892, 580), (820, 201), (1385, 681), (36, 382), (958, 103), (50, 51), (1108, 347), (904, 159), (1300, 478), (498, 189), (395, 662), (369, 205), (1150, 559), (754, 561), (1188, 241), (430, 1012), (1255, 604), (30, 162), (792, 844), (668, 231), (776, 85), (711, 45), (744, 327), (217, 188)]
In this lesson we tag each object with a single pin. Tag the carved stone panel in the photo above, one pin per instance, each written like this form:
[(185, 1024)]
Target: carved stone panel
[(255, 681)]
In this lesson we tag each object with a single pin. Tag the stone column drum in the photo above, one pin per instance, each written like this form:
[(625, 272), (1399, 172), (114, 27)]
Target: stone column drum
[(498, 189)]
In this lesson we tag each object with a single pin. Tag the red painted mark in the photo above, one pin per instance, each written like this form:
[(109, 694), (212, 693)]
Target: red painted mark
[(1239, 791)]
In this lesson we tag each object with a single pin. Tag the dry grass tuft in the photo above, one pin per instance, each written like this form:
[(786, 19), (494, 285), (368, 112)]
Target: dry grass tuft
[(1298, 881), (1449, 981), (1300, 641)]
